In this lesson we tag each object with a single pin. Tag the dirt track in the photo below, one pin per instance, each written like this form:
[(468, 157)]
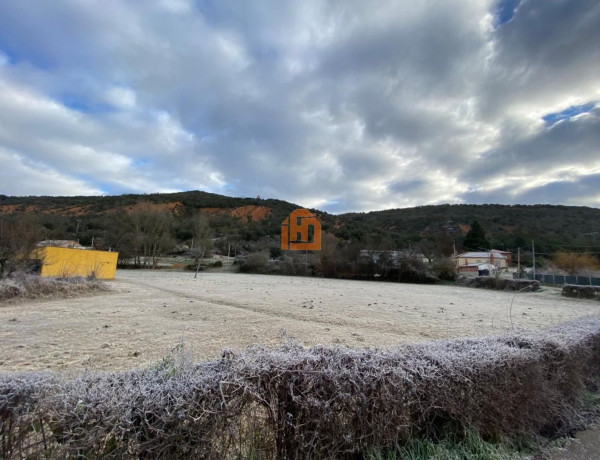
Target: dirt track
[(150, 312)]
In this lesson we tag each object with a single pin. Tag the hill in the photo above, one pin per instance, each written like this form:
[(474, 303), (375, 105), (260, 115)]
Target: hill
[(252, 219), (507, 227)]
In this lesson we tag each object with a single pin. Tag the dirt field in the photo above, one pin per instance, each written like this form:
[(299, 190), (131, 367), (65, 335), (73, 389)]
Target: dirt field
[(147, 313)]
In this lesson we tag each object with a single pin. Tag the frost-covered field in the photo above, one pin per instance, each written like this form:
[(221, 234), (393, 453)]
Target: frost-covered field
[(147, 313)]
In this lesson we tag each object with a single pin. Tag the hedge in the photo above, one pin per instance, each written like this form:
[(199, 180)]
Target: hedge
[(296, 402)]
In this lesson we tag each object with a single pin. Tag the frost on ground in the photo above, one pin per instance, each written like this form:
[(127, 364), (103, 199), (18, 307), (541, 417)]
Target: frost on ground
[(148, 313)]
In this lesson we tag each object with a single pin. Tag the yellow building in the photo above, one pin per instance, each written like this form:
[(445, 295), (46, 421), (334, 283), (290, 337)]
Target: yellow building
[(67, 262)]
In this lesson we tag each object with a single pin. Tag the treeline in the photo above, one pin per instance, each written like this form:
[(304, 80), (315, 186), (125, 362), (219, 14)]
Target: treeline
[(343, 259), (145, 227), (507, 227)]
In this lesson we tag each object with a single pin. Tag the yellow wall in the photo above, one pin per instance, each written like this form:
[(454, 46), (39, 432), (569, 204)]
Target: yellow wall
[(68, 262)]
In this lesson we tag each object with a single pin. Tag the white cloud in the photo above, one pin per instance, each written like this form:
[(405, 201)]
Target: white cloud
[(120, 97), (22, 177)]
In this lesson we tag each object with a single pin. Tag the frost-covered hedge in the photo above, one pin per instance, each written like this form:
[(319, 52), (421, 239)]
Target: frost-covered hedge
[(293, 402), (502, 284), (26, 286), (582, 292)]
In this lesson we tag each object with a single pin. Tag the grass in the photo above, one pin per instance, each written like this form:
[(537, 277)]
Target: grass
[(590, 399), (470, 447)]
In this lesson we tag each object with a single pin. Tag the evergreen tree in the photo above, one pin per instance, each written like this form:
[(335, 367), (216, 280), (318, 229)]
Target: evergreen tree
[(475, 239)]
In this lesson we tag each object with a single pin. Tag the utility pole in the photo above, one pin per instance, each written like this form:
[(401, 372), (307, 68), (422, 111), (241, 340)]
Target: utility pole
[(518, 263), (533, 254)]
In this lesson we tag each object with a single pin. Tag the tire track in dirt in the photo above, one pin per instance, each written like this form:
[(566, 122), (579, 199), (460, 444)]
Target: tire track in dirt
[(344, 322)]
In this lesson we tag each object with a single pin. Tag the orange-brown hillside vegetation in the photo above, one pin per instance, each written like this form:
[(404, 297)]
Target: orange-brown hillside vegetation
[(82, 210), (174, 207), (36, 208), (464, 228), (253, 212)]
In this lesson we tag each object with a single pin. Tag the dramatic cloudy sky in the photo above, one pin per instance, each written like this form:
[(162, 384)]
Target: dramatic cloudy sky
[(340, 105)]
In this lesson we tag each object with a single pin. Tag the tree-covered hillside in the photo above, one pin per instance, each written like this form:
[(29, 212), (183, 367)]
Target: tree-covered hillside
[(107, 220)]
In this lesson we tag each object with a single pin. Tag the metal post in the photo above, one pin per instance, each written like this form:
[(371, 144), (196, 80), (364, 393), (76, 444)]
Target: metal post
[(533, 253)]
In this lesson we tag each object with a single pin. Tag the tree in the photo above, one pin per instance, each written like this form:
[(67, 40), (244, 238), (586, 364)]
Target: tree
[(18, 238), (475, 238), (384, 263), (119, 235), (444, 244), (575, 264), (428, 248), (202, 238), (152, 233)]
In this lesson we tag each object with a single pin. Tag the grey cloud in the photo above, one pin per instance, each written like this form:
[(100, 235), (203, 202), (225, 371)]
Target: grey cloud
[(582, 191), (545, 54), (570, 142)]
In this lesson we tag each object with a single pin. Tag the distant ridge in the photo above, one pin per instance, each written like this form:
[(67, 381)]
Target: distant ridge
[(508, 226)]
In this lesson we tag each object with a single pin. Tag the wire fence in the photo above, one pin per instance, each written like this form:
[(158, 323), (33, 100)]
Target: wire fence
[(563, 279)]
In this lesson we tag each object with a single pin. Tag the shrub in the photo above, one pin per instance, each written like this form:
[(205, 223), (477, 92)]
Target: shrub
[(445, 269), (575, 263), (256, 262)]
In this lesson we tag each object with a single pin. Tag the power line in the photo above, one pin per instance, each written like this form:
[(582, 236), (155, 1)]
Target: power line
[(571, 246), (561, 252)]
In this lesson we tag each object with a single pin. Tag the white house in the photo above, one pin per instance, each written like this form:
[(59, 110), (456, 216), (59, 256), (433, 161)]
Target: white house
[(477, 261)]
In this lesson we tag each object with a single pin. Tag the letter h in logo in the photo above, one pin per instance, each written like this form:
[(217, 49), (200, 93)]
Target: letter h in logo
[(296, 234)]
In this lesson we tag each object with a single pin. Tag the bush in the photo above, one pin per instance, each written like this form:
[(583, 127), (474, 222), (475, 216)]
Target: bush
[(445, 269), (322, 402), (575, 264), (256, 262)]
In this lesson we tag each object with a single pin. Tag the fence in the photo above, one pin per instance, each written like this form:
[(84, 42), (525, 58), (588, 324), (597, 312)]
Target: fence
[(563, 279)]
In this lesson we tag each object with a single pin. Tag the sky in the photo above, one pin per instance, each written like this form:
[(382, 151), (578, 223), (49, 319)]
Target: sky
[(346, 105)]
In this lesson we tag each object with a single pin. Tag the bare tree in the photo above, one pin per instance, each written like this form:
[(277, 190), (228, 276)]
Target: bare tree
[(428, 248), (18, 237), (575, 264), (202, 239), (152, 233)]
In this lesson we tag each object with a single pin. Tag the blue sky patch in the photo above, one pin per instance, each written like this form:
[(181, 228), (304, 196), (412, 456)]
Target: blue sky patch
[(15, 57), (9, 57), (569, 113), (505, 10), (82, 106), (140, 162)]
